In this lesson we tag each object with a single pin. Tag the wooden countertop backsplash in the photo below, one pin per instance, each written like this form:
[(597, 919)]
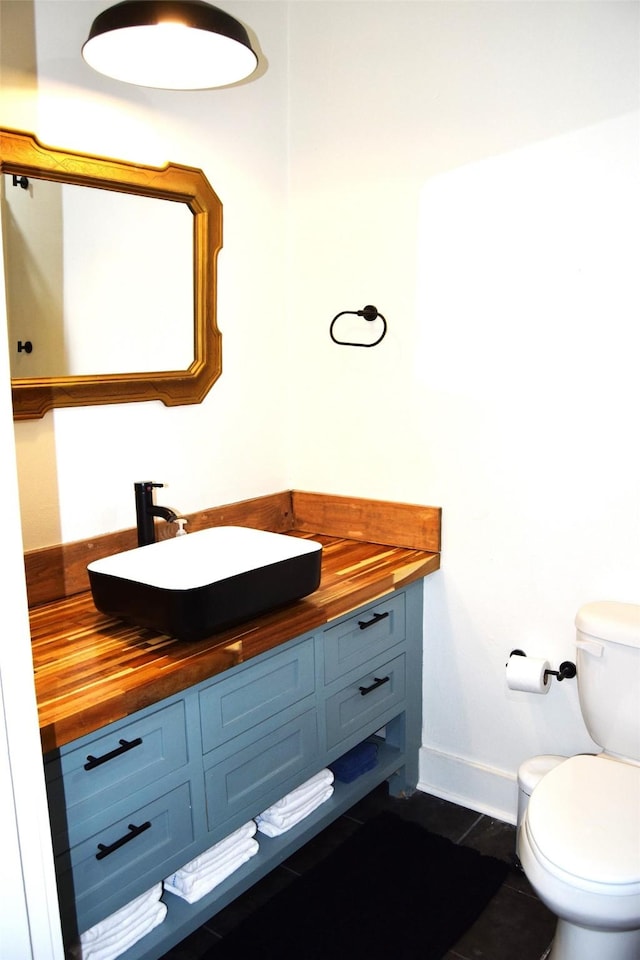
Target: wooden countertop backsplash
[(91, 669)]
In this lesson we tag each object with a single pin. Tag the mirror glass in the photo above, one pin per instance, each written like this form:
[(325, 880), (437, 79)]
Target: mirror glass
[(80, 310), (110, 278)]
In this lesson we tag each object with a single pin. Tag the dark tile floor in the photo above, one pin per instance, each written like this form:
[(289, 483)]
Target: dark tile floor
[(514, 925)]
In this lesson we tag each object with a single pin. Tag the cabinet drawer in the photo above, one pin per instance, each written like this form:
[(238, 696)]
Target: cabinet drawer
[(366, 701), (249, 780), (236, 704), (115, 765), (360, 638), (132, 852)]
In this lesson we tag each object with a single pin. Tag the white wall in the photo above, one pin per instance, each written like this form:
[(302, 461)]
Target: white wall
[(77, 467), (473, 170), (232, 445), (29, 922)]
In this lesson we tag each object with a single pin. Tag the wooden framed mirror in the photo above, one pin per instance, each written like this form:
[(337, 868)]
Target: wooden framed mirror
[(165, 238)]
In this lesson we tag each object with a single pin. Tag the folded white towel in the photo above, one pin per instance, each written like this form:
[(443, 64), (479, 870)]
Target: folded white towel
[(305, 791), (294, 804), (230, 844), (186, 881), (117, 942), (130, 914), (300, 799), (273, 823), (204, 885), (282, 817), (301, 796)]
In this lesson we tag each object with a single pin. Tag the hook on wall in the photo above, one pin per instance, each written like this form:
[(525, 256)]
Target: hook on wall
[(370, 313)]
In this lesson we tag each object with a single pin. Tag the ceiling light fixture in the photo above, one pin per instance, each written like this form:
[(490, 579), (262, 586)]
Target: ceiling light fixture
[(170, 44)]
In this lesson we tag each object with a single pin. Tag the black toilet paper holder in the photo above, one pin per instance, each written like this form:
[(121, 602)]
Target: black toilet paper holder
[(567, 669)]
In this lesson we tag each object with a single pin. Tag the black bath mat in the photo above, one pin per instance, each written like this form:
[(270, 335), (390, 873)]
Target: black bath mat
[(392, 890)]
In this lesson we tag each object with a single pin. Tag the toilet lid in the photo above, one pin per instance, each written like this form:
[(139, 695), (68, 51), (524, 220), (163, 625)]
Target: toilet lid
[(584, 816)]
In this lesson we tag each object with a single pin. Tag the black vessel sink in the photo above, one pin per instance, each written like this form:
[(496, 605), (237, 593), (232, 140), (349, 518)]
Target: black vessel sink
[(190, 587)]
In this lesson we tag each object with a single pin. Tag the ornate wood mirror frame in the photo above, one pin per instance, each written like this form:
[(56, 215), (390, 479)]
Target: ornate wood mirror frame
[(21, 154)]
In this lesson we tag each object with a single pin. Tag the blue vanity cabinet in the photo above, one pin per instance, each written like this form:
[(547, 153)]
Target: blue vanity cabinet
[(136, 800), (121, 808), (260, 734), (358, 639), (364, 671)]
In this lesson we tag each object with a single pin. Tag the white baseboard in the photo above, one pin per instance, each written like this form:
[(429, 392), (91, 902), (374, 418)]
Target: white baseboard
[(486, 789)]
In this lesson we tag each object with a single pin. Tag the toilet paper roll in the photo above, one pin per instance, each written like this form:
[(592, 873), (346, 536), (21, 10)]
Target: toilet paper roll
[(528, 674)]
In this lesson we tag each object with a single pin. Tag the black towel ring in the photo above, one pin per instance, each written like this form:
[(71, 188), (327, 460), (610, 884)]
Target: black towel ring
[(369, 313)]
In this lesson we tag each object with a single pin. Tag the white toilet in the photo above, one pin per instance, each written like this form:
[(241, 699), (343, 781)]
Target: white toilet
[(579, 839)]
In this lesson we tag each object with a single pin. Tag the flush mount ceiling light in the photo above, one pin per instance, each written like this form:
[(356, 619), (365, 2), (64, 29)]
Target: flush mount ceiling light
[(172, 44)]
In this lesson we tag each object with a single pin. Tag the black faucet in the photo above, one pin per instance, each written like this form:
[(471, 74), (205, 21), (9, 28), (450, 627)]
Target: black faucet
[(146, 510)]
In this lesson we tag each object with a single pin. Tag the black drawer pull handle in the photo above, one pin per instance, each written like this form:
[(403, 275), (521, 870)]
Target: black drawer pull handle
[(377, 682), (105, 849), (124, 746), (363, 624)]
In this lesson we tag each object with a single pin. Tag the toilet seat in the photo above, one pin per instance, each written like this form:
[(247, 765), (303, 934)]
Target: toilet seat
[(583, 820)]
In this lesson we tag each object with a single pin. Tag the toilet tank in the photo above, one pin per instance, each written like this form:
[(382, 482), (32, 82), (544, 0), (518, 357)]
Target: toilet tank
[(608, 662)]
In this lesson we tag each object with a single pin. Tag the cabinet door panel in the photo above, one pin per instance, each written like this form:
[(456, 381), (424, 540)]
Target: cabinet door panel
[(112, 766), (366, 701), (236, 704), (253, 775), (102, 868), (359, 639)]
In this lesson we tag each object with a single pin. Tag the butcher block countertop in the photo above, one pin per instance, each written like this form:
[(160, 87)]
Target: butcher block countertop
[(91, 670)]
